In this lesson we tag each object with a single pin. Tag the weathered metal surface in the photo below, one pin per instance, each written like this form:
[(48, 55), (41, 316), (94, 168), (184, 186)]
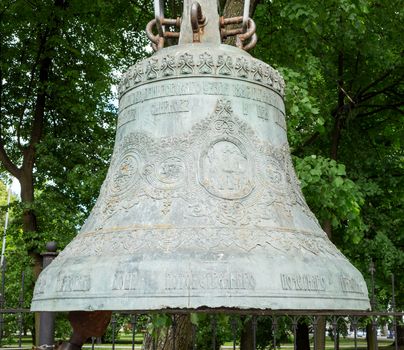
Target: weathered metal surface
[(201, 207)]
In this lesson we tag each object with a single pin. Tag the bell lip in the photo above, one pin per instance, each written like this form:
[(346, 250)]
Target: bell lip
[(353, 306), (241, 311)]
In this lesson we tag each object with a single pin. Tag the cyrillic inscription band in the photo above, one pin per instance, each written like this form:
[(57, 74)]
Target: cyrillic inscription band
[(125, 280), (350, 285), (210, 280), (304, 282), (188, 87), (73, 283), (174, 106)]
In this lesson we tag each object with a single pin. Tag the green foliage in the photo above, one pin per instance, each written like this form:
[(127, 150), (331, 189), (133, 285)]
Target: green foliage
[(225, 326), (158, 323), (303, 116), (204, 324), (4, 205), (117, 323), (331, 195), (81, 50), (342, 62), (58, 60), (62, 326), (265, 331), (17, 273)]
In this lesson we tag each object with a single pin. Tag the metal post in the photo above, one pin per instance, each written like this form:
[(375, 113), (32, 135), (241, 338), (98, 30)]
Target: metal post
[(294, 325), (21, 305), (113, 326), (393, 307), (274, 329), (355, 329), (234, 331), (133, 322), (373, 303), (213, 325), (374, 329), (335, 331), (47, 319), (3, 266), (254, 330), (2, 298), (315, 329), (174, 331)]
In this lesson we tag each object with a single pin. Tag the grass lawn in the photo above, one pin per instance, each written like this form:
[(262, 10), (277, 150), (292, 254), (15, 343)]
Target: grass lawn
[(125, 342)]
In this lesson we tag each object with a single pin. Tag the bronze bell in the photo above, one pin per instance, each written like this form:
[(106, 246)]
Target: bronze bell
[(201, 207)]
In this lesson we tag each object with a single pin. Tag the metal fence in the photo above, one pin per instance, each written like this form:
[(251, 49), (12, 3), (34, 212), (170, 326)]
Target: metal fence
[(12, 314), (280, 331)]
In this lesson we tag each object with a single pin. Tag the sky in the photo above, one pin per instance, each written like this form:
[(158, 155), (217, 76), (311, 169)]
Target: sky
[(15, 187)]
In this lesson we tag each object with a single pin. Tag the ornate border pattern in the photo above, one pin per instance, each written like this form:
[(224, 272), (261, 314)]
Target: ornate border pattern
[(203, 239), (205, 64)]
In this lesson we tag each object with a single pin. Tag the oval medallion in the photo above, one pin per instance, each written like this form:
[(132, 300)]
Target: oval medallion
[(171, 170), (126, 173), (225, 169)]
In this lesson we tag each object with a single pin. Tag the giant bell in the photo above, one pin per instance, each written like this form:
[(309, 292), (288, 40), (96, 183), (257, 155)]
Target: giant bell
[(201, 207)]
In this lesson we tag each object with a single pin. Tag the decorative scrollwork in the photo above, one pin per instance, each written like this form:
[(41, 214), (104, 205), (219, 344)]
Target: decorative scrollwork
[(202, 63), (218, 169), (205, 65), (210, 239), (186, 64)]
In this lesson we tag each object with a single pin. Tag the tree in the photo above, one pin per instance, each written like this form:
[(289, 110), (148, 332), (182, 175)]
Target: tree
[(342, 61), (344, 100), (57, 65), (56, 72), (334, 66)]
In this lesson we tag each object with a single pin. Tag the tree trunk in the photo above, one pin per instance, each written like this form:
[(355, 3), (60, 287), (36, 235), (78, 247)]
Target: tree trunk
[(302, 337), (26, 177), (181, 338), (335, 137), (29, 216), (235, 8), (320, 333), (247, 336), (29, 223), (327, 228)]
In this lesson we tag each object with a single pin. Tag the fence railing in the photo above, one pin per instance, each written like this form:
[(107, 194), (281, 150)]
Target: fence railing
[(278, 330)]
